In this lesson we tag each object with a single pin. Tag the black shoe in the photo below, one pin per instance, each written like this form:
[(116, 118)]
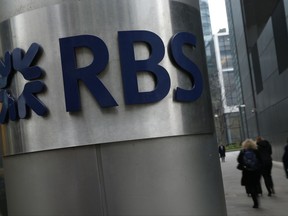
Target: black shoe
[(255, 206), (269, 194)]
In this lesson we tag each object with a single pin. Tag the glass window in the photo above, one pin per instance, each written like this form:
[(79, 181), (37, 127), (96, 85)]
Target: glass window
[(225, 52), (229, 79)]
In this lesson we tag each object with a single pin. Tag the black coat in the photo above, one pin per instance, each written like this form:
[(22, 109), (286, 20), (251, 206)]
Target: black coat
[(250, 178), (222, 151), (285, 160), (265, 150)]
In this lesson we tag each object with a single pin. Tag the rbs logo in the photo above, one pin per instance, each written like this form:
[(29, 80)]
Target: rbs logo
[(129, 68), (18, 61)]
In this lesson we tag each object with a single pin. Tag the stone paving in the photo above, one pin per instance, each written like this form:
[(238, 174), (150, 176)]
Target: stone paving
[(238, 203)]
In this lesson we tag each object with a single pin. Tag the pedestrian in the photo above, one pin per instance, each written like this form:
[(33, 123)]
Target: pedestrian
[(265, 150), (247, 189), (285, 158), (222, 152), (250, 162)]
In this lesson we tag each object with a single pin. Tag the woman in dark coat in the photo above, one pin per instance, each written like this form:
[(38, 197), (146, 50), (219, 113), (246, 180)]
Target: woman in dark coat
[(250, 177)]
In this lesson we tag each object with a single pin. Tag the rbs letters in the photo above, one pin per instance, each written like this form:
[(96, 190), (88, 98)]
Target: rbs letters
[(23, 62), (129, 68)]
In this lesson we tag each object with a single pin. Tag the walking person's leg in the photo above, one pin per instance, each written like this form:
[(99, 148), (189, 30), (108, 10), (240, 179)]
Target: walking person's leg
[(268, 179), (254, 196)]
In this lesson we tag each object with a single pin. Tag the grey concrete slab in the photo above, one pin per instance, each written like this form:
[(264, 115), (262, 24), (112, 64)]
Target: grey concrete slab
[(238, 203)]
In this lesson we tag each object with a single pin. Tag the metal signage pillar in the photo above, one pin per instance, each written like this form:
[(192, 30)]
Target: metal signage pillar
[(106, 109)]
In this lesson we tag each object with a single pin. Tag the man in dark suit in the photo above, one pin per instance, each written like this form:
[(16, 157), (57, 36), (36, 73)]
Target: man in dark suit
[(222, 152), (265, 150)]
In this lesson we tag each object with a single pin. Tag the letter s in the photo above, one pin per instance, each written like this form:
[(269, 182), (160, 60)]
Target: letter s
[(183, 62)]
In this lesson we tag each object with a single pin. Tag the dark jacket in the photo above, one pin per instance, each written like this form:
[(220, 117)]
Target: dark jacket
[(250, 178), (285, 159), (222, 151), (265, 150)]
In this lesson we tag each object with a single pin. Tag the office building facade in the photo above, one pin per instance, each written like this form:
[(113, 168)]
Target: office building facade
[(229, 89), (222, 79), (260, 29)]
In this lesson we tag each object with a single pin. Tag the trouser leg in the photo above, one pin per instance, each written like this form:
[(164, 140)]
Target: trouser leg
[(268, 183), (266, 173), (254, 195), (255, 201)]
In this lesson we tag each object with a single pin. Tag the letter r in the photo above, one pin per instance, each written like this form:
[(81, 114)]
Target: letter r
[(72, 74)]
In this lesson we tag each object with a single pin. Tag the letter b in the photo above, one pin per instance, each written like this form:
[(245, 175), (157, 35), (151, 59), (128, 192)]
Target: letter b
[(130, 67)]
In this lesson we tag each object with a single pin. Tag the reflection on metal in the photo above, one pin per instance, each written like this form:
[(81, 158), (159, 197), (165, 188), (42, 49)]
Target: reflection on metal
[(133, 178), (3, 144), (3, 150), (94, 125)]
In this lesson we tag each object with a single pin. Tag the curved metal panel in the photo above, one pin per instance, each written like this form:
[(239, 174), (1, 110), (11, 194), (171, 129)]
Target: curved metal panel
[(144, 177), (93, 124), (13, 8)]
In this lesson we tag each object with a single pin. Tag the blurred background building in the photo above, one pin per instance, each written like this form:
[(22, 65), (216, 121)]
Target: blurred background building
[(248, 71), (224, 81), (260, 32)]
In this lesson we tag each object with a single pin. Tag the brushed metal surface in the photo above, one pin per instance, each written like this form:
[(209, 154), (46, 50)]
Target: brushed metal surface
[(166, 176), (95, 125), (12, 8)]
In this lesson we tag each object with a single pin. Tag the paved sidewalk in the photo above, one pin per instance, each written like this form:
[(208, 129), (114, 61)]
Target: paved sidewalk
[(237, 202)]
